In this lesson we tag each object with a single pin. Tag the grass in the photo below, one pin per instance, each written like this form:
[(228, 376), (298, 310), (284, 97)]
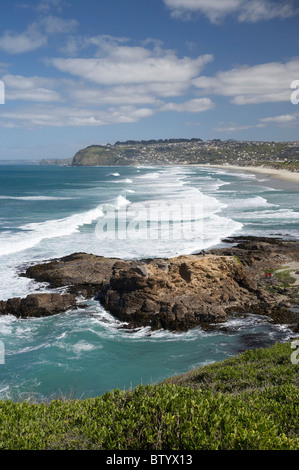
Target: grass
[(249, 402), (252, 370), (282, 280), (285, 277), (292, 165)]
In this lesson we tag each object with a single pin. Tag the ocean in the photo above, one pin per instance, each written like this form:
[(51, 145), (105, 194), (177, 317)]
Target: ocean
[(132, 213)]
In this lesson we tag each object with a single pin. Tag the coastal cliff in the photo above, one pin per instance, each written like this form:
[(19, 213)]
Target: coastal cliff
[(95, 155), (250, 274)]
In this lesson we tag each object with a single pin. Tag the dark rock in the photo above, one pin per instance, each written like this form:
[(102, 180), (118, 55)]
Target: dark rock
[(83, 273), (177, 293), (38, 305), (140, 270)]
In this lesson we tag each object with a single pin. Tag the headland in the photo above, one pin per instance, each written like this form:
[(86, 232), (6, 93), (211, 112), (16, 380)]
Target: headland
[(253, 154)]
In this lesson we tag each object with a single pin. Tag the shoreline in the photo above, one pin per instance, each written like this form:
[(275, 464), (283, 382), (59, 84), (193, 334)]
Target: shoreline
[(227, 280), (284, 175)]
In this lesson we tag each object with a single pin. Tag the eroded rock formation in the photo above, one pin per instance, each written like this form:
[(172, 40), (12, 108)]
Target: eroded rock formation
[(177, 293), (38, 305)]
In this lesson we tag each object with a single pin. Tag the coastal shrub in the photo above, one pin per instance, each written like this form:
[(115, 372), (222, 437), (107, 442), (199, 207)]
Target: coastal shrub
[(263, 415), (285, 277), (250, 370)]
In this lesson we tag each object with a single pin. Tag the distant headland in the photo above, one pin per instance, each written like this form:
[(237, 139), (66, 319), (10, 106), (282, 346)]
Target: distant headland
[(195, 151)]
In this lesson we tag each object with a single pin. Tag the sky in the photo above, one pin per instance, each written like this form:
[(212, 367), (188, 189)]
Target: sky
[(75, 73)]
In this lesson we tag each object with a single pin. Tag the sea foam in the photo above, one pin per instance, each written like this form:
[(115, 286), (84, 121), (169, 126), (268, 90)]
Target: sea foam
[(32, 234)]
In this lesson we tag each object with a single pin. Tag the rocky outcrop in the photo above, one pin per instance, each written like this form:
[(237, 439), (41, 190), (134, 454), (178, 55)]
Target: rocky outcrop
[(82, 273), (177, 293), (38, 305), (260, 253)]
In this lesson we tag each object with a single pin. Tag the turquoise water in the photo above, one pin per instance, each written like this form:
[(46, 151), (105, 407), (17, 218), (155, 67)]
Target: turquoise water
[(48, 212)]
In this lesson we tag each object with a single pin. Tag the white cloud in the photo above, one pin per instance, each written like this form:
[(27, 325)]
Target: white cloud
[(54, 116), (36, 89), (233, 127), (103, 44), (133, 65), (139, 94), (36, 35), (125, 74), (257, 10), (125, 84), (263, 83), (55, 25), (215, 10), (244, 10), (282, 119), (43, 6), (133, 75), (118, 95), (47, 5), (192, 106), (17, 43)]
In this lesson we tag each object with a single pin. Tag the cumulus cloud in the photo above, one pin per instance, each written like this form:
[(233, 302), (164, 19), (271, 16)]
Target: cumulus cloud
[(17, 43), (215, 10), (115, 95), (102, 44), (192, 106), (36, 89), (133, 65), (59, 116), (256, 10), (122, 83), (36, 35), (263, 83), (243, 10), (126, 75), (56, 25)]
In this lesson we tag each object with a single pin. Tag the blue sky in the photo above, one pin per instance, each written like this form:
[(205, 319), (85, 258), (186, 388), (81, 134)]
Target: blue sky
[(78, 73)]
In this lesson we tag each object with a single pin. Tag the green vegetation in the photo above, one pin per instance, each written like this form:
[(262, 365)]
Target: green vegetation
[(284, 277), (98, 155), (281, 280), (287, 165), (280, 155), (248, 402), (191, 151), (253, 370)]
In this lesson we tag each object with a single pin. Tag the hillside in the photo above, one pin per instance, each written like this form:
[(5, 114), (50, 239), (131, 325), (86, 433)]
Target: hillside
[(249, 402), (191, 151), (279, 155), (98, 155), (57, 161)]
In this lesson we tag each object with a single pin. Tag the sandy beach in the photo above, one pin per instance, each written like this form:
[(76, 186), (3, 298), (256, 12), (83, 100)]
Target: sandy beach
[(284, 175)]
